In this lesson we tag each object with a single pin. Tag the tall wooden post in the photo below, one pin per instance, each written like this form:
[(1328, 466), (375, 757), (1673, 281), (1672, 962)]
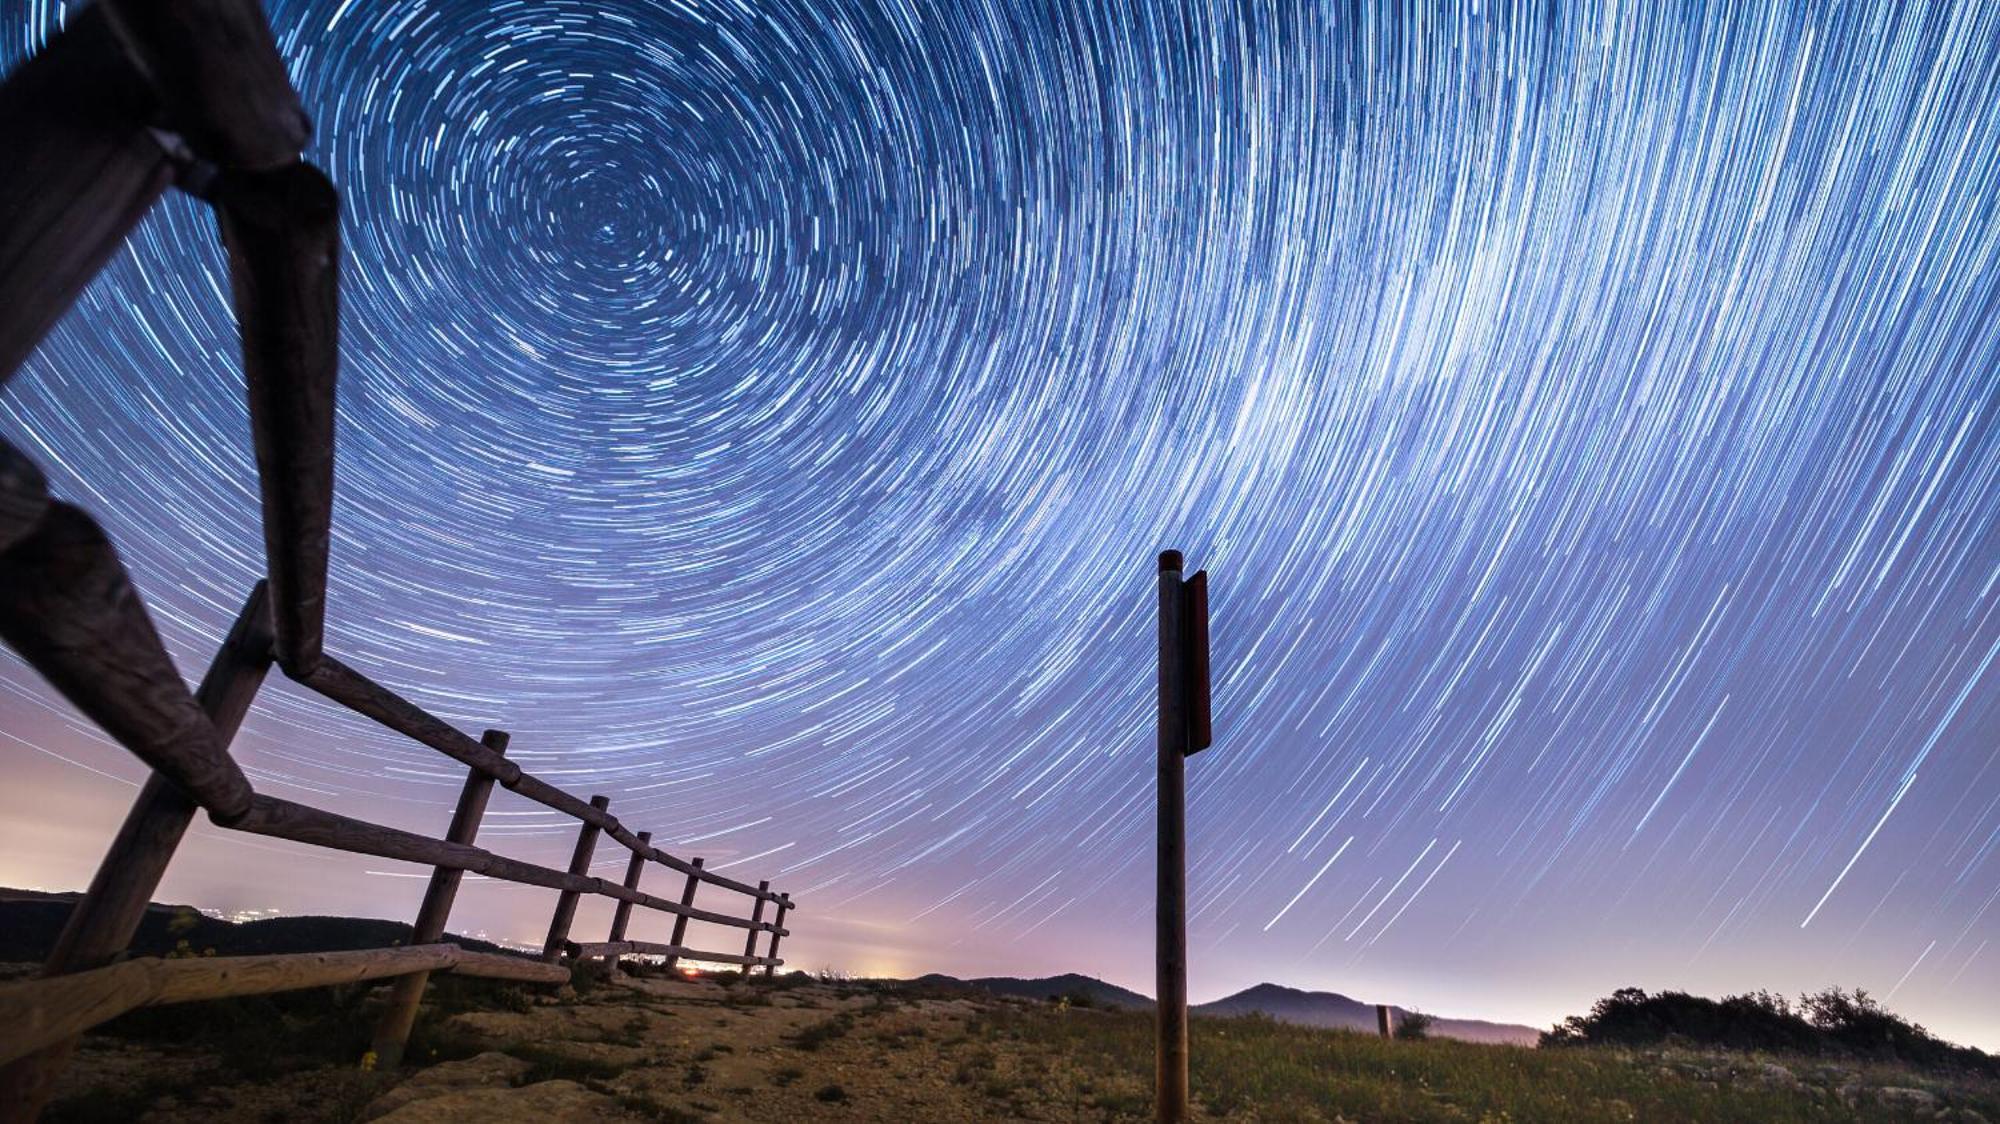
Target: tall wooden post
[(777, 933), (1383, 1023), (1170, 911), (579, 863), (392, 1033), (622, 916), (1184, 729), (756, 919), (680, 920), (102, 924)]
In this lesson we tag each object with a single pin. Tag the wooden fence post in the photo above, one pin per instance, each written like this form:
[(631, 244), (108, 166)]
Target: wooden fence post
[(622, 916), (282, 231), (777, 933), (681, 921), (1383, 1020), (103, 922), (392, 1032), (579, 863), (756, 918)]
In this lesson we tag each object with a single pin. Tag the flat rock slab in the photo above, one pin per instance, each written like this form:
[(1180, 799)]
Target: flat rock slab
[(491, 1070)]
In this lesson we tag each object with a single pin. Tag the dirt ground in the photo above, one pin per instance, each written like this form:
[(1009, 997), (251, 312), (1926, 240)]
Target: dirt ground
[(656, 1049)]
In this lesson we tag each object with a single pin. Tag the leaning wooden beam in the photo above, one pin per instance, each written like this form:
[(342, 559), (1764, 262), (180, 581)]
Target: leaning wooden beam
[(24, 496), (363, 695), (103, 922), (82, 169), (300, 823), (694, 868), (392, 1032), (43, 1011), (584, 950), (282, 230), (217, 69), (579, 864), (548, 795), (68, 608)]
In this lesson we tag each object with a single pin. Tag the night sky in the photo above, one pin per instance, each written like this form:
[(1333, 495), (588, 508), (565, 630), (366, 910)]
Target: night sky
[(770, 413)]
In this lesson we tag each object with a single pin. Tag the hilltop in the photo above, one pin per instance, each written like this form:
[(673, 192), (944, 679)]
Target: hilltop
[(1325, 1009)]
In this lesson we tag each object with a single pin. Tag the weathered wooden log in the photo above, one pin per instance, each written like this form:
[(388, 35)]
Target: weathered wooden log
[(634, 868), (301, 823), (358, 693), (499, 966), (687, 906), (103, 922), (708, 876), (392, 1031), (219, 77), (584, 950), (82, 170), (548, 795), (24, 496), (282, 230), (778, 932), (579, 864), (67, 606), (756, 920), (47, 1012), (40, 1012)]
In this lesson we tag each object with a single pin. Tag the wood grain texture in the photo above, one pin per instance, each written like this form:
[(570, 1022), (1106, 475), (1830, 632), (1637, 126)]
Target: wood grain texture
[(282, 232), (68, 608), (220, 79), (82, 168)]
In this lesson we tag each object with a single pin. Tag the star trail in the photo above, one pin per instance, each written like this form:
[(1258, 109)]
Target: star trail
[(770, 412)]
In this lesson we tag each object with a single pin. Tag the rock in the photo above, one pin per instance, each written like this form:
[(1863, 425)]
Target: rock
[(1770, 1073), (1898, 1097), (545, 1102), (488, 1070), (1967, 1116)]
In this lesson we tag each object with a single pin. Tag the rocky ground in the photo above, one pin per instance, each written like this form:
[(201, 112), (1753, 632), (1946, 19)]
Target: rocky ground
[(668, 1049)]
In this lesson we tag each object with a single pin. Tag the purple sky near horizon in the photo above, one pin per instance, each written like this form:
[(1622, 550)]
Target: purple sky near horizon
[(770, 413)]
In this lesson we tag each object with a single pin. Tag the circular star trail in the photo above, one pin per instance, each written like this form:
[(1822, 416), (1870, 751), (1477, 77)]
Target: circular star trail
[(769, 413)]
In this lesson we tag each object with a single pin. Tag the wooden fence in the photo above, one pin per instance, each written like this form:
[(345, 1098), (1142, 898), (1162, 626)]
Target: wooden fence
[(133, 96)]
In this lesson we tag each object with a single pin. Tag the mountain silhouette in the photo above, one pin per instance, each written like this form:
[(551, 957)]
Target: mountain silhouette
[(1285, 1004)]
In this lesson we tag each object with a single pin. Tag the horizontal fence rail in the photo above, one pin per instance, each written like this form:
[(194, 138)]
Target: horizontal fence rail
[(129, 98), (48, 1010)]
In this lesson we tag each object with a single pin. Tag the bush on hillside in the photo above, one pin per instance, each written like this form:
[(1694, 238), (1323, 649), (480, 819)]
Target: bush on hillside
[(1415, 1026), (1833, 1021)]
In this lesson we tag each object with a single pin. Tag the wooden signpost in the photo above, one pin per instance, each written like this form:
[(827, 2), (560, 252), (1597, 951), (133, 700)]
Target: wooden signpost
[(1184, 729)]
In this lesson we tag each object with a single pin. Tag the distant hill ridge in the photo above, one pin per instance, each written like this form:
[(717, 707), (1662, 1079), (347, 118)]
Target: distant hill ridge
[(1285, 1004), (30, 920)]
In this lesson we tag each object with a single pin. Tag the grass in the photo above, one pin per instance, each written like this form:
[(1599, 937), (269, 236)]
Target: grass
[(1285, 1072)]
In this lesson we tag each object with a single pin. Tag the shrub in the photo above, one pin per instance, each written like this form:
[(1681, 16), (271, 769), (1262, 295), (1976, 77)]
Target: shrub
[(1833, 1021), (1415, 1025)]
